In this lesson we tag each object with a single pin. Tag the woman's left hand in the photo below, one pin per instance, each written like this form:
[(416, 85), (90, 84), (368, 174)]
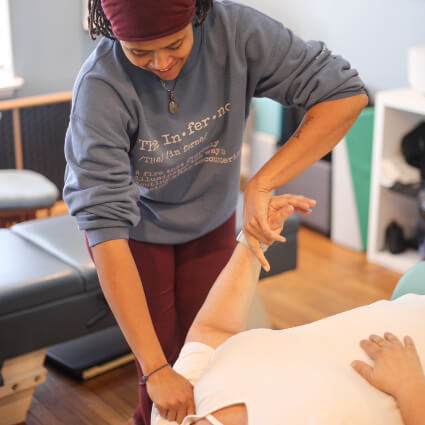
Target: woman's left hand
[(258, 206), (397, 367)]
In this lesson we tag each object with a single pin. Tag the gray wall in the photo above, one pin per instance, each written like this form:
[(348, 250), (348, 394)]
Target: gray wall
[(50, 44), (373, 35)]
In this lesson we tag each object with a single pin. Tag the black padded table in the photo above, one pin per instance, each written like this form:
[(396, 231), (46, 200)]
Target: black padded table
[(60, 237), (87, 313), (35, 288), (49, 294), (57, 295)]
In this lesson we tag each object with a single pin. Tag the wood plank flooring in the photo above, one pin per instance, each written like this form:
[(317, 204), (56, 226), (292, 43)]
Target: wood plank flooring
[(329, 279)]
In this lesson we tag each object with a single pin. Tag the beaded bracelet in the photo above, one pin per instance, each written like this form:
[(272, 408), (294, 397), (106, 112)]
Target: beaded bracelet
[(146, 377)]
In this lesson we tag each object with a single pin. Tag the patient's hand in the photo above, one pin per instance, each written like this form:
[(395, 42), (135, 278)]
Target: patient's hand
[(397, 367)]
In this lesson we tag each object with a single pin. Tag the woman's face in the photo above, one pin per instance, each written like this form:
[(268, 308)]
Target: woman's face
[(164, 56)]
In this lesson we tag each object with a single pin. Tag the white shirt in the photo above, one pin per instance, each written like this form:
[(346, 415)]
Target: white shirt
[(302, 375)]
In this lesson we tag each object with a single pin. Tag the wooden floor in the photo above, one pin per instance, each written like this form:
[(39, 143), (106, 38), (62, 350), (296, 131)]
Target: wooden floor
[(329, 279)]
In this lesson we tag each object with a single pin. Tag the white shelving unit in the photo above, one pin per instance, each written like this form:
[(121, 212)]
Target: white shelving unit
[(396, 113)]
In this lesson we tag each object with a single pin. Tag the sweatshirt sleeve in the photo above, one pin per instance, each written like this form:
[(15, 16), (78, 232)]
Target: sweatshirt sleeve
[(98, 187), (289, 70)]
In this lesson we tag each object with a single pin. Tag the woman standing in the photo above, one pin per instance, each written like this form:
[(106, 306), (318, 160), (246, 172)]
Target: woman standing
[(153, 158)]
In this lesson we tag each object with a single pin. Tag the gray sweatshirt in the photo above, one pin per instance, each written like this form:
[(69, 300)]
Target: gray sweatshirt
[(134, 170)]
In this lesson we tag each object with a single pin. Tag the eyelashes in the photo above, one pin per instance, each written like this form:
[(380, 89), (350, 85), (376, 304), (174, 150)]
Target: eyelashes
[(142, 54), (175, 48)]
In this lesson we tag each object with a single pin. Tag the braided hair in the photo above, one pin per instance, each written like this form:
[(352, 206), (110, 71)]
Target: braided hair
[(99, 25)]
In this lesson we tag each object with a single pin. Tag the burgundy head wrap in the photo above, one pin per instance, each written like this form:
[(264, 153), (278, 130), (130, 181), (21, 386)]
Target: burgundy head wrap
[(143, 20)]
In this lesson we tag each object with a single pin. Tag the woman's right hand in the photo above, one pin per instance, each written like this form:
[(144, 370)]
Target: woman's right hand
[(172, 394)]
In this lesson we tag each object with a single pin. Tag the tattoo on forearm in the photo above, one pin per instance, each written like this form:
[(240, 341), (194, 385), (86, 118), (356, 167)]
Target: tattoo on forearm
[(305, 121)]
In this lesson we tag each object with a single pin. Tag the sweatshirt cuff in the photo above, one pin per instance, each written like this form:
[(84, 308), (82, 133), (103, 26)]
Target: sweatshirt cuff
[(96, 236)]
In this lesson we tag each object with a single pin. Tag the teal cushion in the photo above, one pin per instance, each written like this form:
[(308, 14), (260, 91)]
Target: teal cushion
[(413, 281)]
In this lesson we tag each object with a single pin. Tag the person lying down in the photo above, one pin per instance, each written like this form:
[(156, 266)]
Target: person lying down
[(306, 374)]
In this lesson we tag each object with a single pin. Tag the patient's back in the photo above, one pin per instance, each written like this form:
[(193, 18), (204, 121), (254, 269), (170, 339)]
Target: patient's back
[(303, 375)]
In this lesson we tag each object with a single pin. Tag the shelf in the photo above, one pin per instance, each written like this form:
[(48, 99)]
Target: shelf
[(409, 190), (400, 262), (396, 113), (9, 85), (404, 100)]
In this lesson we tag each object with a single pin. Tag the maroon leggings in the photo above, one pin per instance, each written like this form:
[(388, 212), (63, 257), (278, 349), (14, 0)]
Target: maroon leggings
[(176, 280)]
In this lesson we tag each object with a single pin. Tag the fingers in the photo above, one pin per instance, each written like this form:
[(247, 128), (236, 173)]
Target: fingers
[(177, 414), (370, 348), (162, 412), (408, 342), (190, 410), (410, 345), (363, 369), (381, 342), (172, 395), (171, 415), (277, 220), (300, 203), (263, 223), (296, 200), (373, 345), (181, 414), (391, 338), (259, 229), (269, 233), (388, 340), (255, 247), (376, 343)]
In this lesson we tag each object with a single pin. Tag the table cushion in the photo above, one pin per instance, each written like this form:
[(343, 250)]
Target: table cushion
[(30, 277), (59, 236), (43, 300), (26, 189)]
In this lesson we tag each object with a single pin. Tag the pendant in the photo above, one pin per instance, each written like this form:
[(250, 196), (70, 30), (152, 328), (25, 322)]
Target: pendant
[(173, 107)]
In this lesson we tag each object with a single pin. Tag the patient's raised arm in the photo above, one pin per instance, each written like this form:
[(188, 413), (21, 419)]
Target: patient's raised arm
[(397, 371), (224, 312)]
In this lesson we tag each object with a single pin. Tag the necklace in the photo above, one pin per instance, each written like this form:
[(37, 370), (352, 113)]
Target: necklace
[(173, 106)]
